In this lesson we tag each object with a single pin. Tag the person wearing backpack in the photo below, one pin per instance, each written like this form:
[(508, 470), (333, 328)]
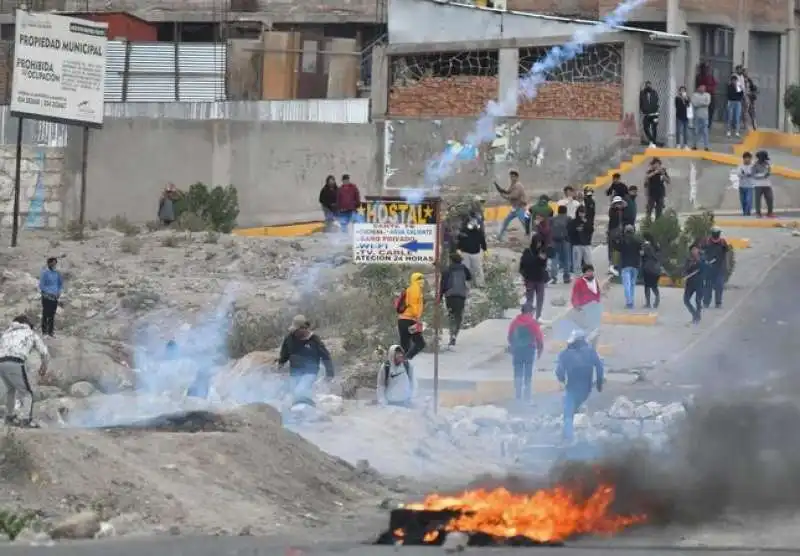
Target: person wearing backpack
[(526, 344), (397, 383), (559, 233), (454, 289), (409, 306)]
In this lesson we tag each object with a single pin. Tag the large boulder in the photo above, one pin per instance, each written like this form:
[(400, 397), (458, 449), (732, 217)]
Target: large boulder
[(76, 360)]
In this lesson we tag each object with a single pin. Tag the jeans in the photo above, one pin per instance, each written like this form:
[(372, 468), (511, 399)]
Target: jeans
[(766, 192), (345, 218), (746, 200), (518, 213), (695, 309), (700, 132), (523, 361), (562, 259), (714, 282), (302, 387), (682, 133), (629, 275), (734, 114), (581, 255), (573, 400)]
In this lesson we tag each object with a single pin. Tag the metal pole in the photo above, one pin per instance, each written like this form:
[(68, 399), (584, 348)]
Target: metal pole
[(17, 184), (437, 309), (84, 164), (673, 13)]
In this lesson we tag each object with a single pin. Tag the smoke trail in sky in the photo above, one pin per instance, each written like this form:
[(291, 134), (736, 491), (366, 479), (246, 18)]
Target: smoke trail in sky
[(444, 165)]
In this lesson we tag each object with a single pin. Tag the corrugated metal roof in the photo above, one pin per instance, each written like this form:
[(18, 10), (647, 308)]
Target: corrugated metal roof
[(201, 88), (150, 88), (202, 57), (147, 57)]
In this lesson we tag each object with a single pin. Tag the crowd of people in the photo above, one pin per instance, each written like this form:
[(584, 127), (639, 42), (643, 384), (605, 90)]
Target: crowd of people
[(695, 111)]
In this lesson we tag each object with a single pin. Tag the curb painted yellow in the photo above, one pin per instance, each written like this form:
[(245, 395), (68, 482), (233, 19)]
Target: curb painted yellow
[(756, 223), (639, 319), (738, 242), (290, 230), (496, 391)]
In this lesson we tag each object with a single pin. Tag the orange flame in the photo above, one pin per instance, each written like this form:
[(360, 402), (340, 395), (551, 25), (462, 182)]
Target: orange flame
[(545, 516)]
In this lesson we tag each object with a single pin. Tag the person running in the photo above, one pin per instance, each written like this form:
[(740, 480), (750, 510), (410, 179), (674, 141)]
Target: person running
[(305, 352), (533, 268), (630, 259), (762, 185), (397, 382), (515, 194), (580, 233), (454, 288), (586, 293), (651, 271), (693, 276), (471, 243), (579, 367), (715, 252), (526, 344), (409, 306), (745, 173), (16, 345), (51, 285)]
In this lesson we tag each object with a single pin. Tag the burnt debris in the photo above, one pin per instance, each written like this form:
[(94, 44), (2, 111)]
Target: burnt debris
[(428, 527)]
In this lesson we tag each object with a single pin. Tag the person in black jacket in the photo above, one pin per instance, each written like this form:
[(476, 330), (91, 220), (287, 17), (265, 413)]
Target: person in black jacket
[(656, 180), (617, 187), (327, 200), (648, 108), (533, 268), (736, 87), (683, 104), (693, 276), (630, 259), (589, 203), (580, 231), (715, 252), (617, 218), (471, 244), (304, 351), (651, 271)]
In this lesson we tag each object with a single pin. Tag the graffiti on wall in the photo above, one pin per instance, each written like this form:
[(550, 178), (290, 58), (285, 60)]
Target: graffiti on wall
[(36, 216)]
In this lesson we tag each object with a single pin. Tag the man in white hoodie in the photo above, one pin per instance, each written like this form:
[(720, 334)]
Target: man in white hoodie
[(397, 383), (16, 345)]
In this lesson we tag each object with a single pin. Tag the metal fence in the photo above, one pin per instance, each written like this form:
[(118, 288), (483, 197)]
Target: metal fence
[(348, 111)]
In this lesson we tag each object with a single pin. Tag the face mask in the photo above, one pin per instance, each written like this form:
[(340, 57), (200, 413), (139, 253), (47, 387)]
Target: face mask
[(715, 235)]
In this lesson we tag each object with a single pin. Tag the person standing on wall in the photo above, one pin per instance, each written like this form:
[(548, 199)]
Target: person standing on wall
[(705, 79), (656, 180), (648, 108), (734, 108), (684, 114), (701, 108), (51, 285), (328, 196), (348, 200)]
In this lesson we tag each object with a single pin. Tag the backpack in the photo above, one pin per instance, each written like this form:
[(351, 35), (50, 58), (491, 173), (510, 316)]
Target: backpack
[(521, 338), (400, 304), (559, 228), (387, 366)]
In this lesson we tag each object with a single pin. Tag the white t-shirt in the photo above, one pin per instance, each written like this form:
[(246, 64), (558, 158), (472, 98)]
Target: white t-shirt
[(572, 206)]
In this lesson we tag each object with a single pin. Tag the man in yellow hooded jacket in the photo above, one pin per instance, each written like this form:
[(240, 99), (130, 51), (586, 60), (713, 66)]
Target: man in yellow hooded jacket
[(409, 307)]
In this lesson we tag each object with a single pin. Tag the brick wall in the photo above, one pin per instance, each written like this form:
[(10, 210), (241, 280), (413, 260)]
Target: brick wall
[(575, 101), (442, 96), (569, 8)]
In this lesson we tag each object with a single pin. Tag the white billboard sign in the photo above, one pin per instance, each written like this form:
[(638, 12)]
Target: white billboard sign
[(375, 243), (59, 68)]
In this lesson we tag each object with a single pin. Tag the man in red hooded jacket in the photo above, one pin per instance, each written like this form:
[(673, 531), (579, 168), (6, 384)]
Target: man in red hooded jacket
[(526, 343), (348, 199)]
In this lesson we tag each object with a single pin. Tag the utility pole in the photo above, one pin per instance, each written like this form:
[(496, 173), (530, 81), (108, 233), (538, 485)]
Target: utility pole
[(673, 15)]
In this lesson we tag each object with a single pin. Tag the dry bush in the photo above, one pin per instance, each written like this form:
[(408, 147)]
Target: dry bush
[(16, 461), (140, 300), (249, 332), (123, 225), (153, 225), (130, 245), (192, 222), (74, 231), (211, 237), (172, 240)]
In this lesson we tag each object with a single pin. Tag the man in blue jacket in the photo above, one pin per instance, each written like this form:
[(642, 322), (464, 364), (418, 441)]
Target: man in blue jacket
[(50, 286), (576, 369)]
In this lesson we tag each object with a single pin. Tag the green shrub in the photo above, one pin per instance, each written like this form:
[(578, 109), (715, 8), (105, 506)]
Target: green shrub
[(502, 291), (791, 101), (14, 523), (218, 207), (192, 222)]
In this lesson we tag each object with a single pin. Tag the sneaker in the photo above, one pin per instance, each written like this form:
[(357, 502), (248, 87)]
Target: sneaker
[(613, 271), (727, 134), (452, 342), (686, 148), (646, 306), (553, 281), (629, 306), (567, 280), (738, 134), (771, 216), (652, 146)]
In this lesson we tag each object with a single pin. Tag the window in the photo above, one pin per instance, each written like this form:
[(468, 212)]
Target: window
[(310, 52)]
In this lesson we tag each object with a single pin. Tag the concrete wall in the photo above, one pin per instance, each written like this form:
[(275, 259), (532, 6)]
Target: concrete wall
[(549, 154), (277, 167), (40, 173)]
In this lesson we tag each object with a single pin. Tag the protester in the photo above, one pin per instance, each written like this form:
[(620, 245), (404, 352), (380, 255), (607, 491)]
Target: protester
[(515, 194), (762, 185), (693, 278), (533, 268), (397, 382), (559, 230), (706, 82), (304, 351), (684, 114), (649, 108), (703, 109), (580, 232), (51, 286), (348, 199), (526, 344), (166, 204), (617, 219), (590, 205), (656, 180), (471, 244), (617, 187), (579, 367), (746, 183), (631, 209), (651, 271), (630, 259), (16, 345), (328, 196), (454, 288), (715, 253), (734, 108), (586, 293), (569, 201), (751, 95), (409, 306)]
